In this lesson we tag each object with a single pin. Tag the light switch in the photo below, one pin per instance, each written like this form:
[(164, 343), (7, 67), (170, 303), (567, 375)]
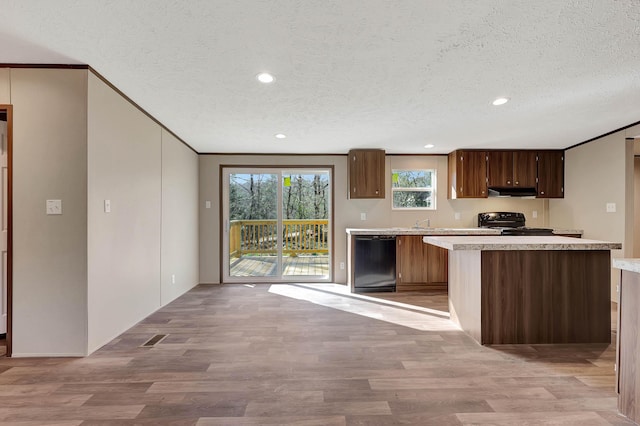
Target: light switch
[(207, 204), (534, 214), (456, 215), (611, 207), (107, 206), (54, 206), (363, 216)]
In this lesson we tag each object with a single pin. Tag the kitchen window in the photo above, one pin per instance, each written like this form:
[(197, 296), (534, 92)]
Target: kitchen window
[(413, 189)]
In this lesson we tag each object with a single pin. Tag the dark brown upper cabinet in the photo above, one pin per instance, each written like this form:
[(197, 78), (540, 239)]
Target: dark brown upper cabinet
[(511, 169), (467, 174), (366, 173), (500, 168), (524, 169), (550, 174)]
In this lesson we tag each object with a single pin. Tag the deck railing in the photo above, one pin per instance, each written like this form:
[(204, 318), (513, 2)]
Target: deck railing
[(260, 236)]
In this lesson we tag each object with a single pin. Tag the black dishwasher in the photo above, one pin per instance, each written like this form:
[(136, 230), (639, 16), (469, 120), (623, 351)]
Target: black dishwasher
[(374, 265)]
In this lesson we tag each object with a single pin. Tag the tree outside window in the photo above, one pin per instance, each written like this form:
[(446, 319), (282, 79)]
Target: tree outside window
[(413, 189)]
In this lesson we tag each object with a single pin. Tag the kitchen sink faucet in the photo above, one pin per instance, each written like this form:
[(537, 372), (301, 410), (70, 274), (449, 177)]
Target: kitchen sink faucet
[(418, 222)]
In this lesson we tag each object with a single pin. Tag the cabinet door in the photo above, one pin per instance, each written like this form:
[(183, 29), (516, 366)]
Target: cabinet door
[(473, 175), (524, 169), (420, 266), (410, 260), (550, 174), (438, 265), (366, 173), (500, 168)]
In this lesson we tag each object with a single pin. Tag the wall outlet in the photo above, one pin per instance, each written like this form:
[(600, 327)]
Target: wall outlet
[(207, 204), (173, 278), (456, 216), (54, 206), (107, 206), (341, 265), (534, 214), (363, 216), (611, 207)]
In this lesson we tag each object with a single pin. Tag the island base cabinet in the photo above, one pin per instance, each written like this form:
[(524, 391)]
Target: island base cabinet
[(538, 296), (531, 296), (628, 361)]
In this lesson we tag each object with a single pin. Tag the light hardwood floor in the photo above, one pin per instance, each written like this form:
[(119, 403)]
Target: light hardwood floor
[(303, 355)]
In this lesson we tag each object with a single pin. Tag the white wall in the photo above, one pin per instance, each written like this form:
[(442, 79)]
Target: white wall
[(124, 245), (5, 85), (151, 180), (347, 212), (83, 277), (50, 252), (597, 173), (179, 218), (210, 218)]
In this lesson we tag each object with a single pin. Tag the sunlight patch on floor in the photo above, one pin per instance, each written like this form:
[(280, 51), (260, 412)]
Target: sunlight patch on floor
[(338, 297)]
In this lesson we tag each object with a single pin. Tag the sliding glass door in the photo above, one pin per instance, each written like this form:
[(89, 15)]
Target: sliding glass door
[(276, 224)]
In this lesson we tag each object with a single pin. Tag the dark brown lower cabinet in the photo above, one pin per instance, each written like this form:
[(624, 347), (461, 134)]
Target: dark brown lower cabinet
[(531, 296), (541, 296), (420, 266)]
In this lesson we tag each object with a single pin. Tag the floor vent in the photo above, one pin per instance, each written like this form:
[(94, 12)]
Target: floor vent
[(154, 341)]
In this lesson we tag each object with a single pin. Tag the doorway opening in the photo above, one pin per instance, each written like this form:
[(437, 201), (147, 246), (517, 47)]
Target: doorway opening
[(6, 151), (277, 224)]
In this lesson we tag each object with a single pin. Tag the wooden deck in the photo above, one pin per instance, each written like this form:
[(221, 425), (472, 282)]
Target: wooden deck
[(265, 266)]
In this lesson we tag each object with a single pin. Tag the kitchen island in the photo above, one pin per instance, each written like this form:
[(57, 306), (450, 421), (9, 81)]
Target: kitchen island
[(514, 290)]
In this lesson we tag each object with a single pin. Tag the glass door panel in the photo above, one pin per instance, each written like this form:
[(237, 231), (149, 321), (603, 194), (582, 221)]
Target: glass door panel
[(253, 225), (305, 210)]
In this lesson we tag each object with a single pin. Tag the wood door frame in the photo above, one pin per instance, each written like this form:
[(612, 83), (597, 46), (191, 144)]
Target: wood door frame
[(9, 110)]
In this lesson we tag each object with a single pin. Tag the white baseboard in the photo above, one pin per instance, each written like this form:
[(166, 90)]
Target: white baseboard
[(47, 355)]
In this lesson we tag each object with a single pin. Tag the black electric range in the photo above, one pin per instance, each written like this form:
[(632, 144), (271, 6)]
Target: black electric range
[(509, 223)]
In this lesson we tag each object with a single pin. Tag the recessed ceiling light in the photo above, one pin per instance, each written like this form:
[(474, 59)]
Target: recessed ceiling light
[(500, 101), (265, 77), (280, 135), (429, 145)]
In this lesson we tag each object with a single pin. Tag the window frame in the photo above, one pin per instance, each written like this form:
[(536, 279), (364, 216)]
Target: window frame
[(431, 188)]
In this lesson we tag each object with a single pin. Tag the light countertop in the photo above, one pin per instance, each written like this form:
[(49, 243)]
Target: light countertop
[(503, 242), (632, 265), (422, 231), (440, 231)]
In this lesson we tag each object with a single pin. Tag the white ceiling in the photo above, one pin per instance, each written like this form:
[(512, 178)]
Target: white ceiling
[(392, 74)]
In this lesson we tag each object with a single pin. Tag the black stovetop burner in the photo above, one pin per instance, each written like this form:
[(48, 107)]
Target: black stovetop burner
[(510, 223)]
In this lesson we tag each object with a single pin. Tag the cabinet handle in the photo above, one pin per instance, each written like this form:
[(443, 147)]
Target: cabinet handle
[(508, 182), (376, 192), (541, 192), (354, 189), (517, 183)]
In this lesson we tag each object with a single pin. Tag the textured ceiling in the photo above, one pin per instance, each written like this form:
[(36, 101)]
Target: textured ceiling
[(392, 74)]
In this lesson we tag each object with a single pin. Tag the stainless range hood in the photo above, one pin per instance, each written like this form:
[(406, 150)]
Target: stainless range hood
[(512, 192)]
